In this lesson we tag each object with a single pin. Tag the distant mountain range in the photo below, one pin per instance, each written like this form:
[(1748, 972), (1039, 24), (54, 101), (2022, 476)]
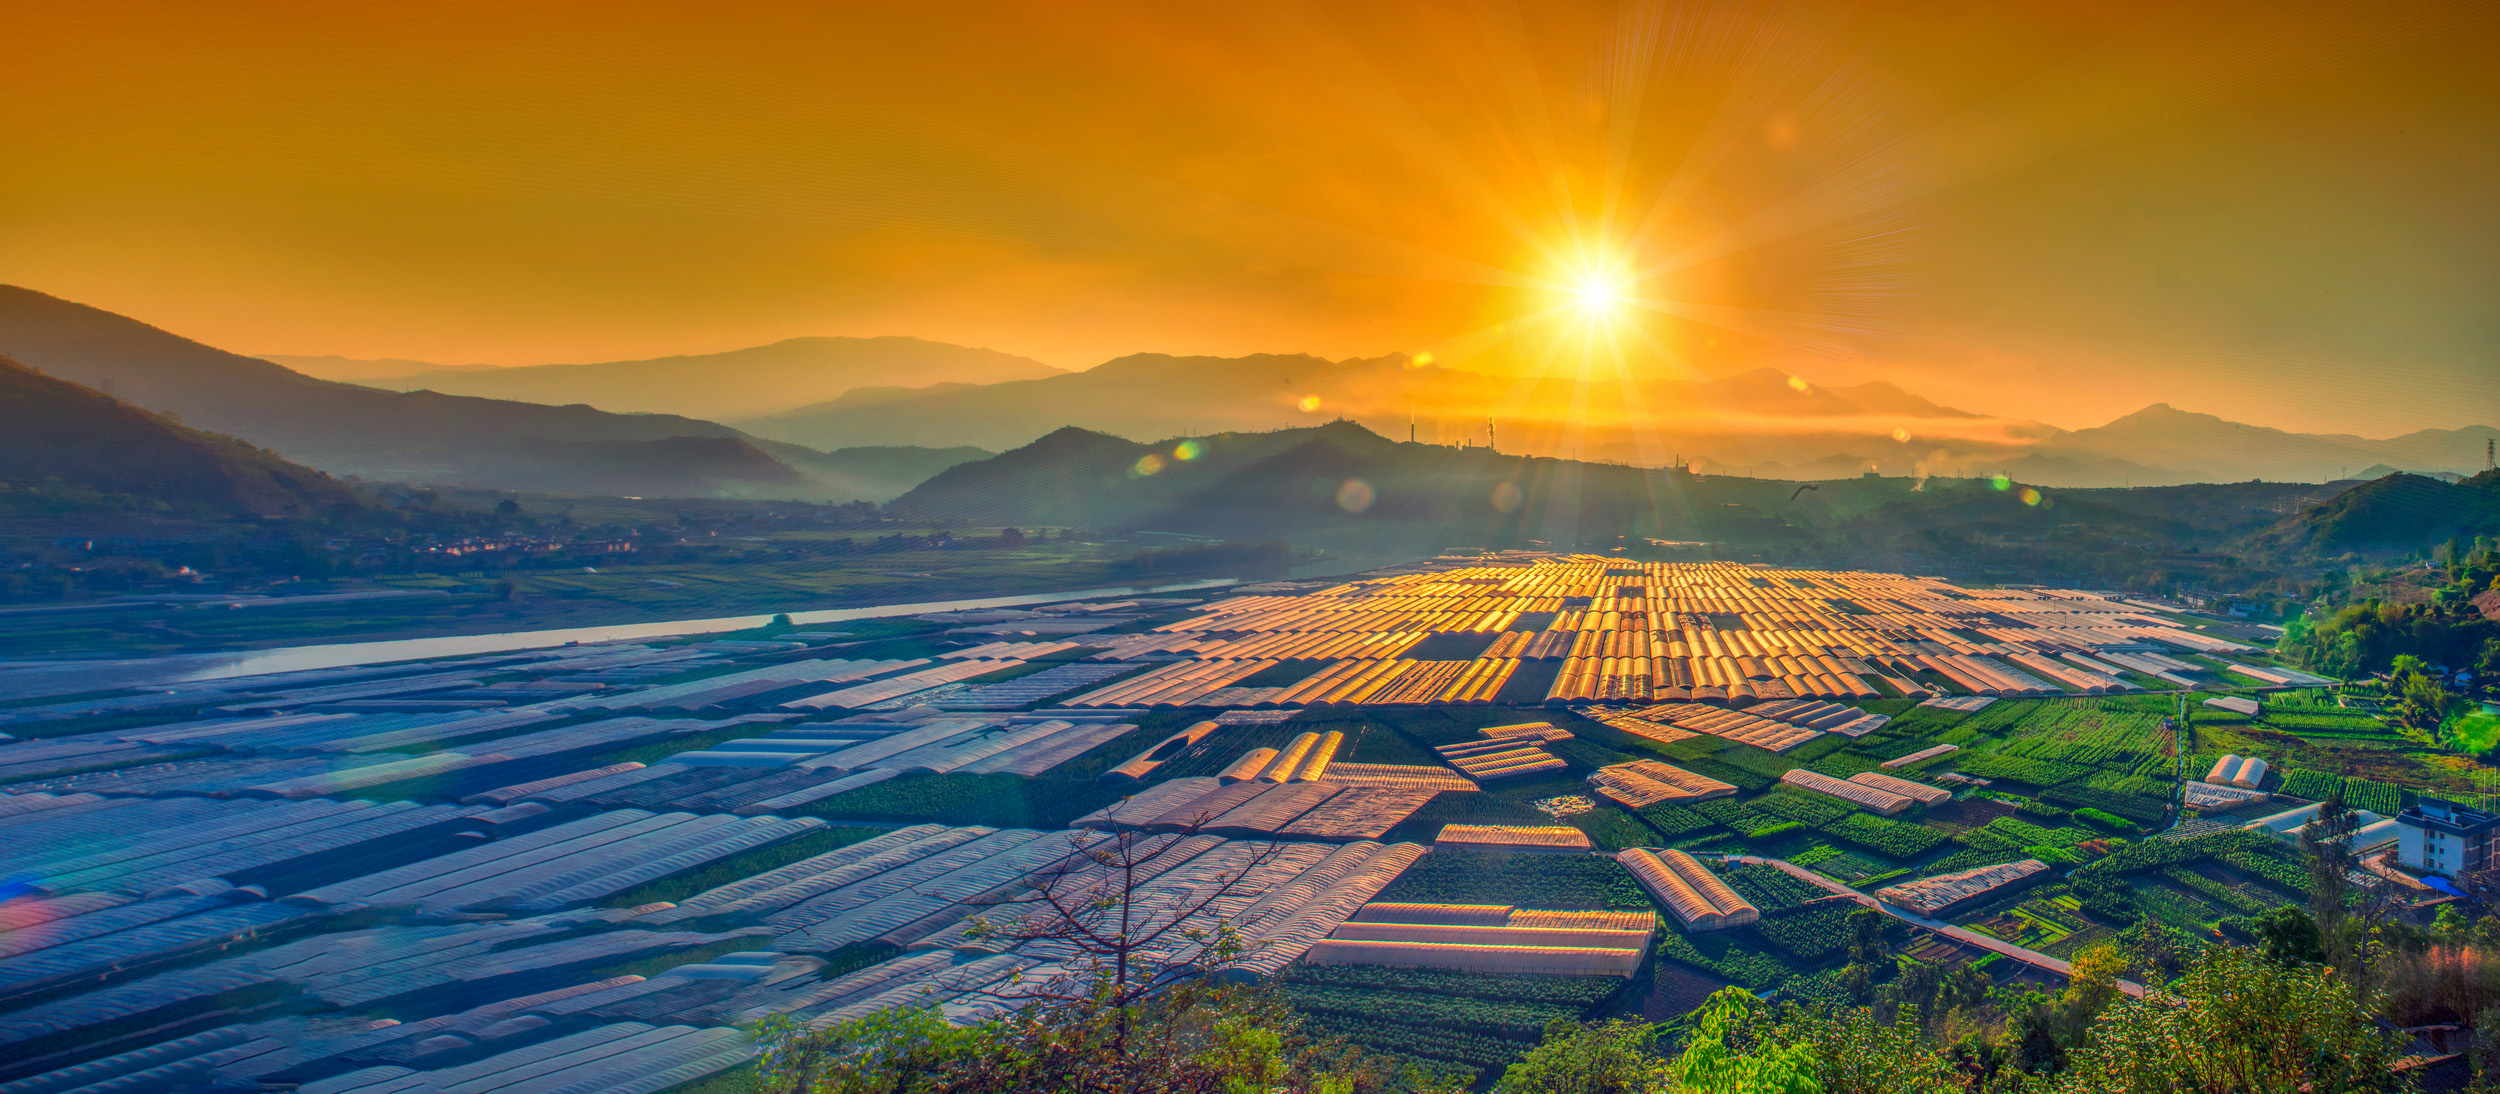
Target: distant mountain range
[(742, 383), (1345, 487), (1756, 424), (59, 433), (430, 437), (888, 412), (1331, 483)]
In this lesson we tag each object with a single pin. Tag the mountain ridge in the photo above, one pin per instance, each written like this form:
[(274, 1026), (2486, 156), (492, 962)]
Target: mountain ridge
[(746, 382), (61, 432), (422, 436)]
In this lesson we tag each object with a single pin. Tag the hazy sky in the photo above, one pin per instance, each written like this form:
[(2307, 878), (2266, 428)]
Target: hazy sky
[(2278, 212)]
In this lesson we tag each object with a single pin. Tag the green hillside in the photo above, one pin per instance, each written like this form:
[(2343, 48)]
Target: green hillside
[(60, 433)]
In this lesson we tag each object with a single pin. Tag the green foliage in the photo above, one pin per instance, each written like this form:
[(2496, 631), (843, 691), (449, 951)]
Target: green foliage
[(2384, 799), (1738, 956), (2365, 638), (2142, 786), (1740, 778), (2007, 833), (2106, 894), (1717, 1061), (1744, 820), (2423, 702), (1968, 860), (1467, 1051), (2237, 1022), (1884, 836), (2228, 897), (1604, 1058), (1801, 806), (1582, 992), (2233, 1022), (1989, 765), (1473, 1020), (2138, 809), (1458, 1012), (1541, 881), (1612, 829), (1672, 820), (2313, 785), (1811, 934), (1770, 888), (2106, 822), (1195, 1038), (2277, 865)]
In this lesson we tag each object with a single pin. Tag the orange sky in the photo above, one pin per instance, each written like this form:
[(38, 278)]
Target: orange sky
[(2060, 211)]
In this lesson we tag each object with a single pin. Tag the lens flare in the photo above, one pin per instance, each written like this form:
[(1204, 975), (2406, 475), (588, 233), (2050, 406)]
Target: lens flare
[(1309, 403), (1505, 497), (2030, 496), (1188, 450), (2000, 482), (1599, 294), (1354, 496), (1901, 434), (1147, 464), (1799, 383)]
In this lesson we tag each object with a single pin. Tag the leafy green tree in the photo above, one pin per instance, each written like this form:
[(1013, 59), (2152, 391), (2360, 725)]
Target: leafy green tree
[(2422, 702), (2156, 947), (2238, 1024), (1854, 1051), (2289, 936), (1199, 1038), (1720, 1058), (1593, 1058), (2451, 925), (1866, 936), (2091, 984), (2326, 845)]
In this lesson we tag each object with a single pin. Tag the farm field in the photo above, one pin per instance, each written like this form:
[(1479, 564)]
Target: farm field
[(789, 796)]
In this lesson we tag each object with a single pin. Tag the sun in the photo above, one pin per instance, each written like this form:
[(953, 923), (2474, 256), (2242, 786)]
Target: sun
[(1599, 294)]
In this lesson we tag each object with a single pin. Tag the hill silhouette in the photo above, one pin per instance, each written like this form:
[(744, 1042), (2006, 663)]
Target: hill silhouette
[(2398, 511), (404, 436), (1150, 395), (63, 432), (740, 383), (1760, 423), (1330, 483)]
